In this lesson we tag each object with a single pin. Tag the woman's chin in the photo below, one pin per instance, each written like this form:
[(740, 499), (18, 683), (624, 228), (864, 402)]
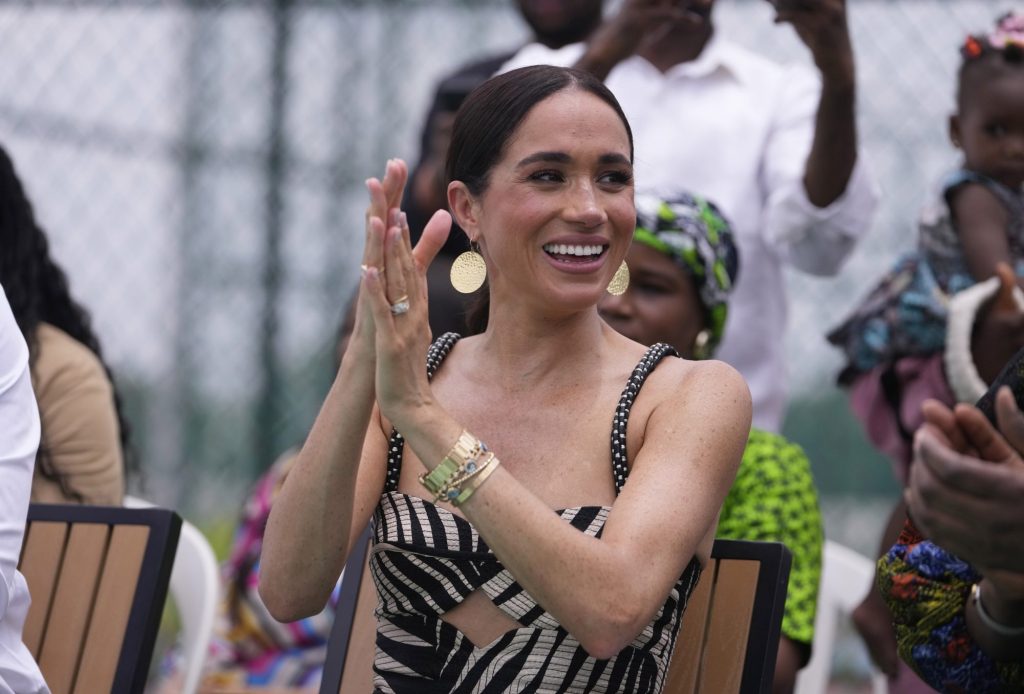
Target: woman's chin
[(577, 296)]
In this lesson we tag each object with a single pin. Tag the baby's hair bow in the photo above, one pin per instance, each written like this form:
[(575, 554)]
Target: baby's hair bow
[(1009, 31)]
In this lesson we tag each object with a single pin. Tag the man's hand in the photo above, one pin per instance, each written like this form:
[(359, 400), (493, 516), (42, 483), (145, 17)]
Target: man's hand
[(638, 23), (822, 26)]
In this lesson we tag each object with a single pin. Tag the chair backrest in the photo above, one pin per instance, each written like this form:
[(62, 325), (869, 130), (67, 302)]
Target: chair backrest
[(195, 589), (98, 578), (846, 577), (730, 632), (727, 641)]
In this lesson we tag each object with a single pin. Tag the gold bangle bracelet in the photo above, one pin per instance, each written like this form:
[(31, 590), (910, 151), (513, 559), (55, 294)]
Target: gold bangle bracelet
[(466, 447), (472, 467), (474, 482)]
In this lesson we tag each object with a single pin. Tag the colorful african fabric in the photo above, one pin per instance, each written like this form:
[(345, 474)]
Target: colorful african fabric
[(250, 648), (426, 560), (927, 589), (774, 500), (905, 314), (693, 232)]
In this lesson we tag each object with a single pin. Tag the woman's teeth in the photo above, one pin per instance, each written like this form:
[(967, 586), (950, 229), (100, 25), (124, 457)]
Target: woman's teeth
[(565, 249)]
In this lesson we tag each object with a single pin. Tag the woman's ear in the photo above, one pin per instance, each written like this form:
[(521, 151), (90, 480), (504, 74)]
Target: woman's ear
[(954, 130), (464, 208)]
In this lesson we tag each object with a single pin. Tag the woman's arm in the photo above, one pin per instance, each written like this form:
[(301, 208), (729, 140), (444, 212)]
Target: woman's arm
[(81, 433), (326, 500), (339, 474), (605, 591)]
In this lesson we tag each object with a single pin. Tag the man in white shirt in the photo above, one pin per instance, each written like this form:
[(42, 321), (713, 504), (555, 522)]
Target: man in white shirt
[(19, 438), (774, 147)]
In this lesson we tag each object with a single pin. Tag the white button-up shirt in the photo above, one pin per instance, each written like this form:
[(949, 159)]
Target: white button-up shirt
[(736, 129), (19, 438)]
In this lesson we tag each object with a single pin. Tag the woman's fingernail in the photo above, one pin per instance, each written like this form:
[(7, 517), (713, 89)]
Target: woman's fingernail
[(404, 220)]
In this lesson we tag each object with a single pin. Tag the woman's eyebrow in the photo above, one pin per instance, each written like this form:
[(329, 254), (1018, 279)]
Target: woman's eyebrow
[(563, 158), (556, 157)]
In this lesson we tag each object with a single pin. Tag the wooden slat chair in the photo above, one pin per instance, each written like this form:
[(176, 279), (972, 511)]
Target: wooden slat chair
[(729, 637), (727, 641), (98, 578)]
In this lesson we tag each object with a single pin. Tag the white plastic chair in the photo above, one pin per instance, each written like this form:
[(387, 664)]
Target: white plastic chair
[(195, 587), (846, 577)]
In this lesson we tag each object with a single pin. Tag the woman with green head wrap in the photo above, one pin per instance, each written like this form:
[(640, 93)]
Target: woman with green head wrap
[(683, 264)]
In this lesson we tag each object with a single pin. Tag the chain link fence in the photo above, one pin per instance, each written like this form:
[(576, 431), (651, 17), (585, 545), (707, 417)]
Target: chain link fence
[(199, 167)]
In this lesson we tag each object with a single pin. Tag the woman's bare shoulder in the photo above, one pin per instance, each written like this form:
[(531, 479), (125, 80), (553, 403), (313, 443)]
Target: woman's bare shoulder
[(683, 383)]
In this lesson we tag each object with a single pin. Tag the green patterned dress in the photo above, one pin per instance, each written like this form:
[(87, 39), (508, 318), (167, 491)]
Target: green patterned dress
[(774, 500)]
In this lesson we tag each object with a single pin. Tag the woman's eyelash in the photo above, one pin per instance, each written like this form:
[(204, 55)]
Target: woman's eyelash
[(551, 175), (546, 175), (619, 176)]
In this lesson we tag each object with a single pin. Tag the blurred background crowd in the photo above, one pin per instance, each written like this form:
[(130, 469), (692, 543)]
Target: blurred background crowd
[(199, 166)]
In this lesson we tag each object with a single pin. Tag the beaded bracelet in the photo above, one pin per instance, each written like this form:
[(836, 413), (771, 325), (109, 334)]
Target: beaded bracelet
[(466, 448), (988, 620)]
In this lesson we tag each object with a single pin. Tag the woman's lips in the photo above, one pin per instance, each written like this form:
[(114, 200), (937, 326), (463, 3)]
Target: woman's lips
[(576, 258)]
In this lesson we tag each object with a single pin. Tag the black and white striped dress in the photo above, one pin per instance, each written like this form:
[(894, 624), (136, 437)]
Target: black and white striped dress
[(425, 560)]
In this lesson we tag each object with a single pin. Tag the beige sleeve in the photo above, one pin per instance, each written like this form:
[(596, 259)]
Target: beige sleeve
[(80, 431)]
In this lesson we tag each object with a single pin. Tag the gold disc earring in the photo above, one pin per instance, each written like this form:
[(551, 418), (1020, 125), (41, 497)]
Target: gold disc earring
[(468, 271), (620, 281)]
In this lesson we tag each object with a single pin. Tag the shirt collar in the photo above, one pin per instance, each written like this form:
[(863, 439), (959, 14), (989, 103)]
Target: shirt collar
[(718, 55)]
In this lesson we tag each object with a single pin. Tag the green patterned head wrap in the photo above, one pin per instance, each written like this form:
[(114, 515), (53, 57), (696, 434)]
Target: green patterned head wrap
[(693, 232)]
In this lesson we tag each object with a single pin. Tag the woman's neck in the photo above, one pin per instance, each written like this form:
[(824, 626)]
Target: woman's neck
[(522, 349)]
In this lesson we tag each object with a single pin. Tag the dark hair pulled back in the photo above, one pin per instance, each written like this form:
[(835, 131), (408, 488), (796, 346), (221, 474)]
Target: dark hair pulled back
[(492, 113)]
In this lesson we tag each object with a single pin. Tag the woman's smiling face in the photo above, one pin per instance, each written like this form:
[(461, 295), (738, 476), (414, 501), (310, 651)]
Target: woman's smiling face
[(557, 217)]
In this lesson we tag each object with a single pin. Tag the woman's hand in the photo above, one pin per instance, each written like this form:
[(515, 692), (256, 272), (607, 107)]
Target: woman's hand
[(385, 197), (393, 294)]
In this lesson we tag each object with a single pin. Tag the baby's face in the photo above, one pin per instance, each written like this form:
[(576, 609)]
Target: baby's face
[(990, 128)]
